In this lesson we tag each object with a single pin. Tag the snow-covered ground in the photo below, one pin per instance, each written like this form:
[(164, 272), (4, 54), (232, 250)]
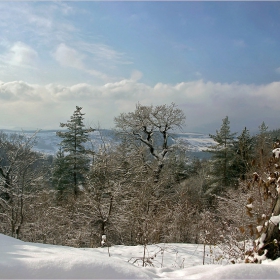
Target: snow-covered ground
[(196, 142), (19, 260), (48, 142)]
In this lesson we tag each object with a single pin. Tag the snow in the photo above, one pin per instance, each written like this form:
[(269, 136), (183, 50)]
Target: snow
[(275, 220), (29, 260), (276, 152), (260, 240), (47, 140), (196, 142), (278, 188), (250, 206), (25, 260), (259, 228)]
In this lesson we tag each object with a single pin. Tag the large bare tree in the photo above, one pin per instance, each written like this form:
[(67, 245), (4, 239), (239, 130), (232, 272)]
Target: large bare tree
[(150, 125)]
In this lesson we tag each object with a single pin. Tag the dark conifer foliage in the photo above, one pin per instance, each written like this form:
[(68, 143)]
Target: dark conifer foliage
[(243, 154), (61, 175), (222, 160), (75, 159), (263, 145)]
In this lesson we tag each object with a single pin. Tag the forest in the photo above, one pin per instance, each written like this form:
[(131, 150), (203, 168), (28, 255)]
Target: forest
[(143, 190)]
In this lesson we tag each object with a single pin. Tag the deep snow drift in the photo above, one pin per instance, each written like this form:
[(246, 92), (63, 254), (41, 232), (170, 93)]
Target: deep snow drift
[(20, 259)]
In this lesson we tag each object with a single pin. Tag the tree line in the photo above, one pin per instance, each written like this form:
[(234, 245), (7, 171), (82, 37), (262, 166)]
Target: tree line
[(143, 188)]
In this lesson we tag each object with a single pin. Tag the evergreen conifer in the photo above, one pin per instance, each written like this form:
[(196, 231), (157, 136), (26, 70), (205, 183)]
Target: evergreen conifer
[(221, 175), (75, 159)]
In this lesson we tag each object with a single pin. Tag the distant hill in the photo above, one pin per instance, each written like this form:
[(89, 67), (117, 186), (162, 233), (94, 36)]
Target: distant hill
[(48, 142)]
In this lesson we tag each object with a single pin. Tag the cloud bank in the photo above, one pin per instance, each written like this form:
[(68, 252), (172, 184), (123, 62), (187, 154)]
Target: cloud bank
[(205, 104)]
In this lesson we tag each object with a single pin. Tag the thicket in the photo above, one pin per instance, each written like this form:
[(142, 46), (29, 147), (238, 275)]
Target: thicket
[(144, 188)]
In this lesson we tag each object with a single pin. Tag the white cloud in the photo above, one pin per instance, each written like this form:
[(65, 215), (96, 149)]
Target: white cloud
[(68, 57), (204, 103), (103, 53), (17, 91), (136, 75), (64, 8), (45, 24), (51, 26), (20, 54), (97, 74), (40, 22)]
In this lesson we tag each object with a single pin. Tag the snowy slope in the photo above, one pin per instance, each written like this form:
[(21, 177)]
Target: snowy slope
[(197, 142), (27, 260), (47, 141), (20, 259)]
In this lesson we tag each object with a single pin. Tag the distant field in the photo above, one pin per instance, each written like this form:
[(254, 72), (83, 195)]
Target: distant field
[(48, 142)]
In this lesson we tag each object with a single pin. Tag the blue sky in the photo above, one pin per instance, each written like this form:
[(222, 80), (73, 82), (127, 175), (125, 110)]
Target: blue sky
[(212, 59)]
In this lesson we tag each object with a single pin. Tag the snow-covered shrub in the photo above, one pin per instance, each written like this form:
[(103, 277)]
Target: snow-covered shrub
[(266, 211)]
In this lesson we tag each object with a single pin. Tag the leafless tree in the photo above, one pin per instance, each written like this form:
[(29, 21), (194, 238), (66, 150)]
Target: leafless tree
[(21, 174), (151, 126)]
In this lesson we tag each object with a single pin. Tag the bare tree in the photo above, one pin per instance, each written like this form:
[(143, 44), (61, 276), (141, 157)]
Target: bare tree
[(20, 175), (151, 125)]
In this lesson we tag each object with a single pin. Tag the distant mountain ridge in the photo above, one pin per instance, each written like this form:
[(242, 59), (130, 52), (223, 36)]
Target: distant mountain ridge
[(48, 141)]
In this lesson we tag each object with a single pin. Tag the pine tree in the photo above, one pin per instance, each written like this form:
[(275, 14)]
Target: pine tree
[(61, 175), (76, 155), (263, 145), (223, 153), (243, 154)]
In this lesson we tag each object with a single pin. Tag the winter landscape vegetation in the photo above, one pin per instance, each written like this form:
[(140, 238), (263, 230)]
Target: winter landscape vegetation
[(141, 199), (139, 140)]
